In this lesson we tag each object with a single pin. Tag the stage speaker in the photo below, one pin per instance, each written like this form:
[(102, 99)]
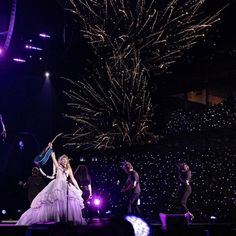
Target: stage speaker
[(174, 221)]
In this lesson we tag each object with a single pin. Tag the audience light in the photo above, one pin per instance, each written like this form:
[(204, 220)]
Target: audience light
[(141, 227)]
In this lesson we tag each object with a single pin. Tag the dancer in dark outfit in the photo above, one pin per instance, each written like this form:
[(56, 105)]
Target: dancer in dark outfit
[(84, 181), (132, 187), (184, 189)]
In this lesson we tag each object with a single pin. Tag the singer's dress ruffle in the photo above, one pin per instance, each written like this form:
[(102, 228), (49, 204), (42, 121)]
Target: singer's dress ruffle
[(51, 203)]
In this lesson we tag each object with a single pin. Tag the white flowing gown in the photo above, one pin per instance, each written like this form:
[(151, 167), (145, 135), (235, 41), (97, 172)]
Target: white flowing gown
[(58, 201)]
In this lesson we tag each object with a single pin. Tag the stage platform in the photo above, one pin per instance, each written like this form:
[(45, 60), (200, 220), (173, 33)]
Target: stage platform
[(95, 227)]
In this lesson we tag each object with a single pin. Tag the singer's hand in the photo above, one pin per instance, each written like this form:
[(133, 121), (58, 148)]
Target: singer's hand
[(37, 164), (50, 145)]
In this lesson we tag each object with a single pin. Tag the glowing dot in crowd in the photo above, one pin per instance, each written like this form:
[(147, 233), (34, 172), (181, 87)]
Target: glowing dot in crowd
[(4, 211)]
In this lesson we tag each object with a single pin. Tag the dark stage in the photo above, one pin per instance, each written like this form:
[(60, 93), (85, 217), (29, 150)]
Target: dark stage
[(102, 226)]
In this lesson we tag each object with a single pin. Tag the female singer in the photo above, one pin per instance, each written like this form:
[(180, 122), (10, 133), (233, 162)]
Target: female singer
[(60, 200)]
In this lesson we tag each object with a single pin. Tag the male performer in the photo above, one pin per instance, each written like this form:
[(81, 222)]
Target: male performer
[(3, 133), (132, 187)]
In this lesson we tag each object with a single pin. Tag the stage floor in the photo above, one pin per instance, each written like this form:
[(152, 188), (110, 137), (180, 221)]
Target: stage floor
[(94, 226)]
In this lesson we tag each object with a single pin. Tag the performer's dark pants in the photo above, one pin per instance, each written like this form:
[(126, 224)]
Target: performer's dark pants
[(184, 191), (85, 196), (132, 207)]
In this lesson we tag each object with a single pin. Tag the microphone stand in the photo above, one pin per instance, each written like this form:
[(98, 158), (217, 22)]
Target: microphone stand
[(67, 196)]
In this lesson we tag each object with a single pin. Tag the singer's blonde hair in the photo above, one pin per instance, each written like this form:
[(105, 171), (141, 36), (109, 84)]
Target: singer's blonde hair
[(67, 158)]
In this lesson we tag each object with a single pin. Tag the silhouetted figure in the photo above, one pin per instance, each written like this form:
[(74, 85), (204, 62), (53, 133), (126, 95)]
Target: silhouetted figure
[(84, 181), (118, 226), (34, 184)]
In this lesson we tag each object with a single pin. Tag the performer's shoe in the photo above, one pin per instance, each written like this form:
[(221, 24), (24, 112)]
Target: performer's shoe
[(191, 215)]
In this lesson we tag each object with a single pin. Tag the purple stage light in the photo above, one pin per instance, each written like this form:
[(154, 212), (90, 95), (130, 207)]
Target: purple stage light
[(1, 51), (19, 60), (97, 202), (43, 35)]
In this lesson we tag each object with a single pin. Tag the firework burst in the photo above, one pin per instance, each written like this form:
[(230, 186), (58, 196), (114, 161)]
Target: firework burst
[(131, 40), (112, 108)]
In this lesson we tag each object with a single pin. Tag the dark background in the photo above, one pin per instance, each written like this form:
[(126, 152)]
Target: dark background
[(32, 105)]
